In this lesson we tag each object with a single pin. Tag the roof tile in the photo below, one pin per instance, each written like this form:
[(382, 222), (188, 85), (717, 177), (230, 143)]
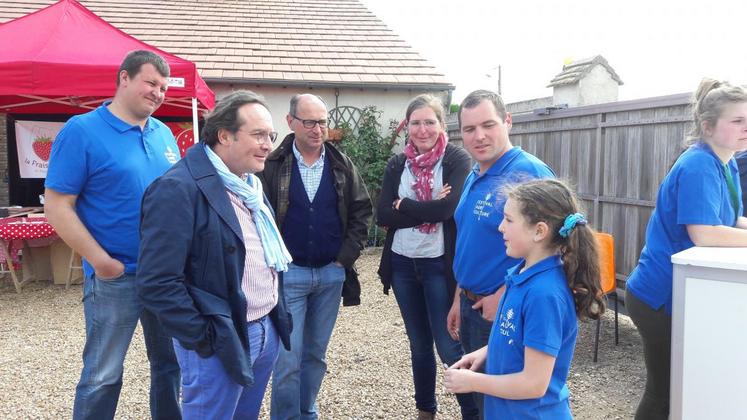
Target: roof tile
[(338, 41)]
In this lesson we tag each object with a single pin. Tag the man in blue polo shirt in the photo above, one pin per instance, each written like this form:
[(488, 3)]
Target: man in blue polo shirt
[(480, 260), (100, 165)]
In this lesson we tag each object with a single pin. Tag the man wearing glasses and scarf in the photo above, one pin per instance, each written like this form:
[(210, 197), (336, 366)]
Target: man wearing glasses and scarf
[(211, 263), (323, 209)]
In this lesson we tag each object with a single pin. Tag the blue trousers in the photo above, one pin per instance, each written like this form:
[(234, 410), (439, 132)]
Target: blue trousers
[(474, 332), (313, 297), (207, 390), (112, 310), (424, 300)]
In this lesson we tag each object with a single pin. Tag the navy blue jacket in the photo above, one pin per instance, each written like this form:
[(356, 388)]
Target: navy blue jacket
[(191, 263), (742, 164)]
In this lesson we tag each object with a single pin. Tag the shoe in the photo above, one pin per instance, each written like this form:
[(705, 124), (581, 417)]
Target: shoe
[(426, 415)]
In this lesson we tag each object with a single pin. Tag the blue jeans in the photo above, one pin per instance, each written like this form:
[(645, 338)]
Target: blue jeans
[(208, 392), (112, 309), (313, 297), (424, 300), (474, 332)]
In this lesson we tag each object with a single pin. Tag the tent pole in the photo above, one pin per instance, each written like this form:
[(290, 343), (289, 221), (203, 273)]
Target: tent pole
[(194, 120)]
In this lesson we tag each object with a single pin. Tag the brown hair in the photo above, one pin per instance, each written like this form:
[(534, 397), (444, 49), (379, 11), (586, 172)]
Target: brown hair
[(551, 201), (708, 103), (426, 100), (225, 115), (475, 98)]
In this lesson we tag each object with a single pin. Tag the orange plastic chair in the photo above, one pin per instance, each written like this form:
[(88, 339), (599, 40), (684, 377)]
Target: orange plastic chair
[(608, 282)]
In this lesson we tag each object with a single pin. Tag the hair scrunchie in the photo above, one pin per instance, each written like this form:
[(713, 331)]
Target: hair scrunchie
[(570, 222)]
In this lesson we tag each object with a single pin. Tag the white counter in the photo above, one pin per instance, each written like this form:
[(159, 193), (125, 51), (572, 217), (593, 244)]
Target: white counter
[(709, 334)]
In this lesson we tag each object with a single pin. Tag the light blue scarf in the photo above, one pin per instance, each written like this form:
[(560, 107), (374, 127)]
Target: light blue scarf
[(250, 192)]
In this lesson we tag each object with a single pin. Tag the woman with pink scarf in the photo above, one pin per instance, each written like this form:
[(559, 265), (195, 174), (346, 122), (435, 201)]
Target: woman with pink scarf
[(420, 192)]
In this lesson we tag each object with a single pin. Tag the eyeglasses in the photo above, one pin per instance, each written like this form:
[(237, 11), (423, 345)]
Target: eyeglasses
[(262, 137), (415, 124), (311, 123)]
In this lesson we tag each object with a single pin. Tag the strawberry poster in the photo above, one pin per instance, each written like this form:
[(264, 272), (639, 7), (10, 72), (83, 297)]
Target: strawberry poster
[(183, 134), (34, 144)]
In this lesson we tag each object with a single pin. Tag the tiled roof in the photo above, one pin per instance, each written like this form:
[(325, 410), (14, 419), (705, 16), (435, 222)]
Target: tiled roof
[(576, 70), (290, 42)]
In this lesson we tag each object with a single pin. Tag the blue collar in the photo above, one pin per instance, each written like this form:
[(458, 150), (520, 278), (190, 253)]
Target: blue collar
[(701, 144), (499, 165), (515, 277), (117, 123)]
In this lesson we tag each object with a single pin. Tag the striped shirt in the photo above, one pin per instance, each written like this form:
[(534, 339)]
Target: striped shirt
[(311, 176), (260, 282)]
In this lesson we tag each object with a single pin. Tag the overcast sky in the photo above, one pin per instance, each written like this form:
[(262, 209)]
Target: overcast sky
[(657, 47)]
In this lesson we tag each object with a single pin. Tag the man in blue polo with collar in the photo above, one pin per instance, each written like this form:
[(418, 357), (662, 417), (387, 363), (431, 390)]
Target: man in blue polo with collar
[(480, 260), (100, 165)]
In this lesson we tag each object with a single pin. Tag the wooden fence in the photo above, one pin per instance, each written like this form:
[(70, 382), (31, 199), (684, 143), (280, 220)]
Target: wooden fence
[(615, 155)]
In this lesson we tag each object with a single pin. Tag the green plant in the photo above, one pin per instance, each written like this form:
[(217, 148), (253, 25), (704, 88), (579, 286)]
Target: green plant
[(369, 150)]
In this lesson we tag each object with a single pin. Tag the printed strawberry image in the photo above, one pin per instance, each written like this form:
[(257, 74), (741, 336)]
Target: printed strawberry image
[(185, 138), (42, 147)]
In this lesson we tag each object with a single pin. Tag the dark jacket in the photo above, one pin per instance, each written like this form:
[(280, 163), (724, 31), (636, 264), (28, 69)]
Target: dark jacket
[(191, 264), (353, 204), (742, 164), (456, 166)]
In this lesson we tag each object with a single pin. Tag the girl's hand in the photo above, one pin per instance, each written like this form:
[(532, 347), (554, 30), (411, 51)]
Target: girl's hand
[(472, 361), (459, 381), (395, 204), (444, 192)]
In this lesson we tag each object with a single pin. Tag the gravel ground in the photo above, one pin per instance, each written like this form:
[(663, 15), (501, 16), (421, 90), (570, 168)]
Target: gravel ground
[(42, 332)]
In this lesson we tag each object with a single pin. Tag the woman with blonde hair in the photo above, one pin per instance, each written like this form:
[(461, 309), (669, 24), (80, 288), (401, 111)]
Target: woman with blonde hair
[(698, 204)]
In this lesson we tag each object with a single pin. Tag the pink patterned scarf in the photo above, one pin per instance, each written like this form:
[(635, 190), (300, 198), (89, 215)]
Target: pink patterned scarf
[(422, 167)]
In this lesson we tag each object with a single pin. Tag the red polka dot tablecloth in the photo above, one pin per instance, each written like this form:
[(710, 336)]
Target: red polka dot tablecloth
[(14, 231)]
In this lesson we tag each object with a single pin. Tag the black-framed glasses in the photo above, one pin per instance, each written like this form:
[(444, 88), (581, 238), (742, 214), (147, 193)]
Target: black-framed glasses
[(263, 137), (311, 123)]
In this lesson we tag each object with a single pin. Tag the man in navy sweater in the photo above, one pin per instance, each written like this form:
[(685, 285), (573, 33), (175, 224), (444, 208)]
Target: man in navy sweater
[(322, 209)]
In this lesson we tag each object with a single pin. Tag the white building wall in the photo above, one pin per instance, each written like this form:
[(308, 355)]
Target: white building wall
[(392, 103), (597, 87)]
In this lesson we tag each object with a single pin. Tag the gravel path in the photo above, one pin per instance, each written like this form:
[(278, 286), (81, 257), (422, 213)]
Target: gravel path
[(41, 338)]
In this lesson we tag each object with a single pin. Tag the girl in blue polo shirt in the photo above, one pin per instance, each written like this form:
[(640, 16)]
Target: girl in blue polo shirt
[(699, 203), (531, 344)]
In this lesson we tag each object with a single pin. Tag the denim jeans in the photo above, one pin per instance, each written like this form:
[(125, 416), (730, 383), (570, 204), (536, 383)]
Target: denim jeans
[(313, 297), (112, 310), (208, 391), (424, 300), (474, 332)]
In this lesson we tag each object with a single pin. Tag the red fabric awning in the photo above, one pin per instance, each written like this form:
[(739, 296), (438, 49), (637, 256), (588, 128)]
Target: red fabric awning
[(64, 59)]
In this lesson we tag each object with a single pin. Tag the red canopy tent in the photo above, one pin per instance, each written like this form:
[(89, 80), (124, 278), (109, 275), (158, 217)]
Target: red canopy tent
[(63, 59)]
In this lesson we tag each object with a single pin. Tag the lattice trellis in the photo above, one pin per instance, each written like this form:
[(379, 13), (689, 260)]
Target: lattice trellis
[(349, 115)]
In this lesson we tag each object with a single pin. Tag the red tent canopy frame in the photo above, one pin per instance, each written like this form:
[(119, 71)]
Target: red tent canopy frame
[(63, 59)]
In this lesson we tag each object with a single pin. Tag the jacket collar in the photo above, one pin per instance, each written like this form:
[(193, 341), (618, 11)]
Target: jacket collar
[(210, 184), (285, 149)]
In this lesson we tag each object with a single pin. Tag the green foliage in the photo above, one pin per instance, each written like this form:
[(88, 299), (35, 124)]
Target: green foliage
[(369, 150), (454, 108)]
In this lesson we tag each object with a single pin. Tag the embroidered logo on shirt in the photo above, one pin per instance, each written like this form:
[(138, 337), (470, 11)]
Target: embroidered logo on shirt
[(506, 325), (484, 207), (170, 155)]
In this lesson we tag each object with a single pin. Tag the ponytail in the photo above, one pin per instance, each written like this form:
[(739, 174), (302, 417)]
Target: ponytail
[(708, 103), (552, 202)]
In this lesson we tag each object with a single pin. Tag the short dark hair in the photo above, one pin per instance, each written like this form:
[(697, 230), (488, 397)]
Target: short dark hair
[(476, 97), (134, 61), (226, 115), (297, 97)]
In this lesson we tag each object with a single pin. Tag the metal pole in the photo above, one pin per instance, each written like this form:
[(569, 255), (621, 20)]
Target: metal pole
[(499, 79), (194, 120)]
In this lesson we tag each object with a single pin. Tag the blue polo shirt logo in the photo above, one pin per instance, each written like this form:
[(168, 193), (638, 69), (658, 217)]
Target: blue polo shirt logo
[(170, 155), (507, 326), (484, 207)]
